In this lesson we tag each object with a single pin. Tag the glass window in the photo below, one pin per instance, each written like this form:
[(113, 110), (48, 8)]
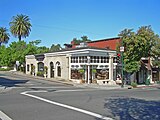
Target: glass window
[(76, 59), (75, 74), (102, 59), (114, 60), (98, 59), (82, 59), (40, 66), (95, 59), (27, 67), (91, 59), (107, 59), (85, 59)]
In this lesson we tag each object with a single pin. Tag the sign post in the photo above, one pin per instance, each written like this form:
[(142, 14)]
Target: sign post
[(122, 50)]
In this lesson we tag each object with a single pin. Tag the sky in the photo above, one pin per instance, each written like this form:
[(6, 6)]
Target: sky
[(59, 21)]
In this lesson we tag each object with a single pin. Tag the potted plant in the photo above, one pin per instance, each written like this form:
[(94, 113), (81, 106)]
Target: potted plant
[(81, 71)]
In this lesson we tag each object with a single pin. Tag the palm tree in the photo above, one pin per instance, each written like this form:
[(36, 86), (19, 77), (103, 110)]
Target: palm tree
[(20, 26), (4, 36)]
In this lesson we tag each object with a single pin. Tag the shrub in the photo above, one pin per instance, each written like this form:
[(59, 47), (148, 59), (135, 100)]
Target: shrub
[(45, 69), (94, 70), (40, 73), (134, 84), (81, 71), (158, 82), (5, 69)]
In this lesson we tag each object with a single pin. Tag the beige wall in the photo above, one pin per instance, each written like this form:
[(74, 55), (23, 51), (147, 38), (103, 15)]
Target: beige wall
[(47, 60)]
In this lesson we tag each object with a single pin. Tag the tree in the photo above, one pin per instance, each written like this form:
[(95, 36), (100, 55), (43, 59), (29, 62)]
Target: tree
[(156, 52), (137, 45), (83, 39), (20, 26), (55, 48), (42, 49), (5, 59), (4, 36)]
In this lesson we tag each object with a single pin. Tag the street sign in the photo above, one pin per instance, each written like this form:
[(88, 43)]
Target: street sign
[(121, 49)]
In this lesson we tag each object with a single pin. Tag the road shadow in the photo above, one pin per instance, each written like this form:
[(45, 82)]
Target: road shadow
[(133, 109), (11, 83)]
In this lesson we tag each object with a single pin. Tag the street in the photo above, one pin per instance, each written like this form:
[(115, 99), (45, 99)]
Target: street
[(25, 98)]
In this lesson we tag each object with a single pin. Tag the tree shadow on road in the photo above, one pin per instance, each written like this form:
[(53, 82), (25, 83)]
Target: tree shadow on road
[(133, 109), (11, 83)]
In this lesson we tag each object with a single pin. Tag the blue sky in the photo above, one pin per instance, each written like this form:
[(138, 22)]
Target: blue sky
[(59, 21)]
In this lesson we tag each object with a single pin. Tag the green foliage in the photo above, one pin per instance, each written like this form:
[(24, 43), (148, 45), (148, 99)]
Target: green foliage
[(4, 36), (20, 26), (45, 69), (17, 52), (5, 58), (55, 48), (32, 69), (94, 70), (83, 39), (40, 73), (42, 49), (137, 45), (156, 52), (5, 69), (81, 71), (134, 85)]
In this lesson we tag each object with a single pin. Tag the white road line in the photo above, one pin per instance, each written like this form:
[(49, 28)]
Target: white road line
[(66, 106), (4, 116)]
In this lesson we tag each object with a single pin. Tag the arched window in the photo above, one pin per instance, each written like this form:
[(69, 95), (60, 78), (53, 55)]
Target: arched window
[(58, 66), (51, 69), (40, 66)]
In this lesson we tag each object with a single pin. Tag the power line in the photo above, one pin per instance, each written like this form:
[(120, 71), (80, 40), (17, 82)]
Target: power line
[(67, 29)]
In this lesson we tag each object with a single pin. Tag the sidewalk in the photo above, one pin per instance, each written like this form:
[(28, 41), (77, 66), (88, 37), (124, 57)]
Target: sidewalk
[(85, 85), (67, 82)]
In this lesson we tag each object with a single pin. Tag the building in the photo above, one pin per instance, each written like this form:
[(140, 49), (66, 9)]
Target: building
[(85, 64), (109, 43)]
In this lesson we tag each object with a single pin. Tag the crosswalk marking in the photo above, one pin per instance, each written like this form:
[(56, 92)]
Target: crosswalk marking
[(3, 116)]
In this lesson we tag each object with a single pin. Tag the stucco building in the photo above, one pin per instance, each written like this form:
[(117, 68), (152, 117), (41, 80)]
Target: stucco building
[(85, 64)]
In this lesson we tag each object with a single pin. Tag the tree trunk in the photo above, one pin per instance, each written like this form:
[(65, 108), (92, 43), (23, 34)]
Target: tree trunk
[(19, 37)]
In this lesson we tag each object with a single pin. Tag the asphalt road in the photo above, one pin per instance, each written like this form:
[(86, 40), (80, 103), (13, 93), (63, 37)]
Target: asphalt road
[(33, 99)]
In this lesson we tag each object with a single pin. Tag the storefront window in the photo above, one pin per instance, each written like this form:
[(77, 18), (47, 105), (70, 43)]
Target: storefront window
[(75, 74), (102, 74), (80, 59)]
